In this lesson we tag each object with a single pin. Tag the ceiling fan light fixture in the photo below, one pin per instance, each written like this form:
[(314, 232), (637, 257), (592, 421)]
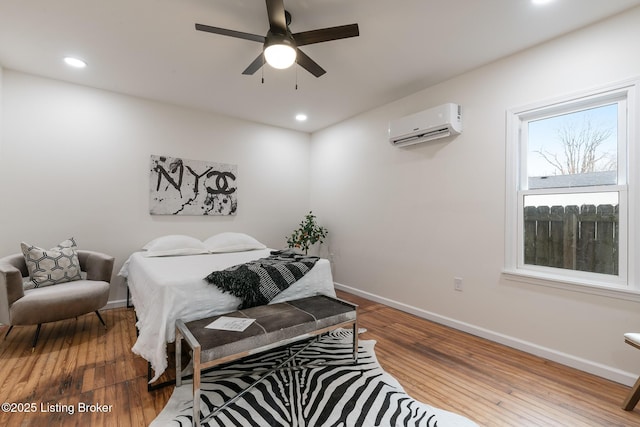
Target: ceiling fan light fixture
[(280, 53)]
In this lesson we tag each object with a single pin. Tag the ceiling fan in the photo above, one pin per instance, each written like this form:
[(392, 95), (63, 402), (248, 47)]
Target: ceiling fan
[(280, 46)]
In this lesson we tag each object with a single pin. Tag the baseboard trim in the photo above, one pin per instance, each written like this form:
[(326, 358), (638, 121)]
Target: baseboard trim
[(591, 367), (115, 304)]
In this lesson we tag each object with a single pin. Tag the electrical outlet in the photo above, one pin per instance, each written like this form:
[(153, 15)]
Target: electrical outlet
[(457, 284)]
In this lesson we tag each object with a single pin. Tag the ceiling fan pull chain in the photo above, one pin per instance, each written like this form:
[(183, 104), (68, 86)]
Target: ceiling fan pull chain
[(296, 75), (262, 70)]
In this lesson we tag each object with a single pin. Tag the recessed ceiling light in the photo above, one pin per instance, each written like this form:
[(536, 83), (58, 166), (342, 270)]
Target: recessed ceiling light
[(75, 62), (301, 117), (541, 2)]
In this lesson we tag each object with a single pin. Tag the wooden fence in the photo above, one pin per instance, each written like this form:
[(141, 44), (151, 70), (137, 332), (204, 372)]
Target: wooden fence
[(578, 238)]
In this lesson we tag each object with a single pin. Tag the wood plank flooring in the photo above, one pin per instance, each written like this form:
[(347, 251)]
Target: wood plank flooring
[(79, 362)]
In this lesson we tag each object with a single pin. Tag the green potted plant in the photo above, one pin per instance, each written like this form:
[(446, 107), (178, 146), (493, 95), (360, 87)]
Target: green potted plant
[(308, 234)]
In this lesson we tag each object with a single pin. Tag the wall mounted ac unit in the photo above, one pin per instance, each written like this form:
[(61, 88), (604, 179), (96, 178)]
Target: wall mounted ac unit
[(434, 123)]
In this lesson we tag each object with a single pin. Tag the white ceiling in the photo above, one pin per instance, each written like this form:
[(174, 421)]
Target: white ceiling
[(149, 48)]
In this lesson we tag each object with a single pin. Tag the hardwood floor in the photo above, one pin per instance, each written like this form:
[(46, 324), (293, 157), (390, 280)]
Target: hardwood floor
[(78, 361)]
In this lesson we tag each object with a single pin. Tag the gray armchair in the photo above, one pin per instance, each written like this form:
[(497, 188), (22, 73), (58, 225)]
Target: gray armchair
[(19, 306)]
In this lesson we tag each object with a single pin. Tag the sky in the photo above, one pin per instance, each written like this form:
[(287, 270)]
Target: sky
[(543, 136)]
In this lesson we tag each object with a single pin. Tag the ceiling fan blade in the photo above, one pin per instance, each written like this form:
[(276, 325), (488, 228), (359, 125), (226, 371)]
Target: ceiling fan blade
[(255, 65), (326, 34), (230, 33), (309, 64), (277, 19)]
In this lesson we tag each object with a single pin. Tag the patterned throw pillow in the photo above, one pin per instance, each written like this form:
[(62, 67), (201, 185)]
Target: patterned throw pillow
[(53, 266)]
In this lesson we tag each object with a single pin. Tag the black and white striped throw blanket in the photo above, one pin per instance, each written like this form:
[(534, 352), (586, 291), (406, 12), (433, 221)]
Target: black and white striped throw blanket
[(258, 282)]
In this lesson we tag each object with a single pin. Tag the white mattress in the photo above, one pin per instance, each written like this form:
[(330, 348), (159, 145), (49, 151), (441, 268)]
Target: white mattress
[(164, 289)]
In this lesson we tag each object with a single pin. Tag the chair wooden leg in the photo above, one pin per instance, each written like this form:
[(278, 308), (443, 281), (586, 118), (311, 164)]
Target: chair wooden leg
[(35, 338), (633, 397), (101, 320), (7, 334)]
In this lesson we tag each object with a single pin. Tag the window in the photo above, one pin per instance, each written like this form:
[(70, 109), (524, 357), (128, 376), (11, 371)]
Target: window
[(569, 216)]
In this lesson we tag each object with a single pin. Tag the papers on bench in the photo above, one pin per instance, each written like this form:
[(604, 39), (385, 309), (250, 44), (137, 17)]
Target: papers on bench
[(225, 323)]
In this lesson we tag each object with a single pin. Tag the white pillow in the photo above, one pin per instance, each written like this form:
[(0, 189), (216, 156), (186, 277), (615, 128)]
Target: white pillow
[(174, 244), (232, 242)]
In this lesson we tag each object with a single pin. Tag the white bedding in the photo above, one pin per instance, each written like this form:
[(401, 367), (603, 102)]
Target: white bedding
[(164, 289)]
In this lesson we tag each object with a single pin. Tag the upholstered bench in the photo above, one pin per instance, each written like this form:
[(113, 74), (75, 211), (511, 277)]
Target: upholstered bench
[(275, 325)]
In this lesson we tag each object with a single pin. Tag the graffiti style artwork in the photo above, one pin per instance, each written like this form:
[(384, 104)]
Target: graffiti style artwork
[(192, 187)]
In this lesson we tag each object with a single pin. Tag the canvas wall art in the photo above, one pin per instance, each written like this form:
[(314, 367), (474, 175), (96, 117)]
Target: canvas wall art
[(192, 187)]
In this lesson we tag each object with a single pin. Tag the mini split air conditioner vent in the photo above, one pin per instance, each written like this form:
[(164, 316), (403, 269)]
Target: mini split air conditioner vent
[(435, 123)]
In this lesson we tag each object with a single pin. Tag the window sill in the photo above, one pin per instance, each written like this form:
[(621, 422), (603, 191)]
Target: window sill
[(574, 286)]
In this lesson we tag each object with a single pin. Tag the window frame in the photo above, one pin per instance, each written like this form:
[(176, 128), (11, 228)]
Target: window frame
[(624, 285)]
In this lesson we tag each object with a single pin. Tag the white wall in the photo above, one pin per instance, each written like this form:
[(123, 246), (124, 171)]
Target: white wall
[(1, 72), (404, 222), (75, 162)]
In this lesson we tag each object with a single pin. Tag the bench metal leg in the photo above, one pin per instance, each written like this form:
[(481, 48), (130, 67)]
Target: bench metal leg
[(281, 366), (196, 386), (355, 343), (196, 412)]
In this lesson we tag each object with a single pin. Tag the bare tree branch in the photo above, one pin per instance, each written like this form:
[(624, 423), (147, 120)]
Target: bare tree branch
[(580, 149)]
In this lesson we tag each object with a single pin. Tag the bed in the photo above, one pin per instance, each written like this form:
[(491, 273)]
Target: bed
[(168, 284)]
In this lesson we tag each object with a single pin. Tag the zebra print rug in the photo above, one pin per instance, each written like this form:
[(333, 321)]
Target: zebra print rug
[(338, 394)]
